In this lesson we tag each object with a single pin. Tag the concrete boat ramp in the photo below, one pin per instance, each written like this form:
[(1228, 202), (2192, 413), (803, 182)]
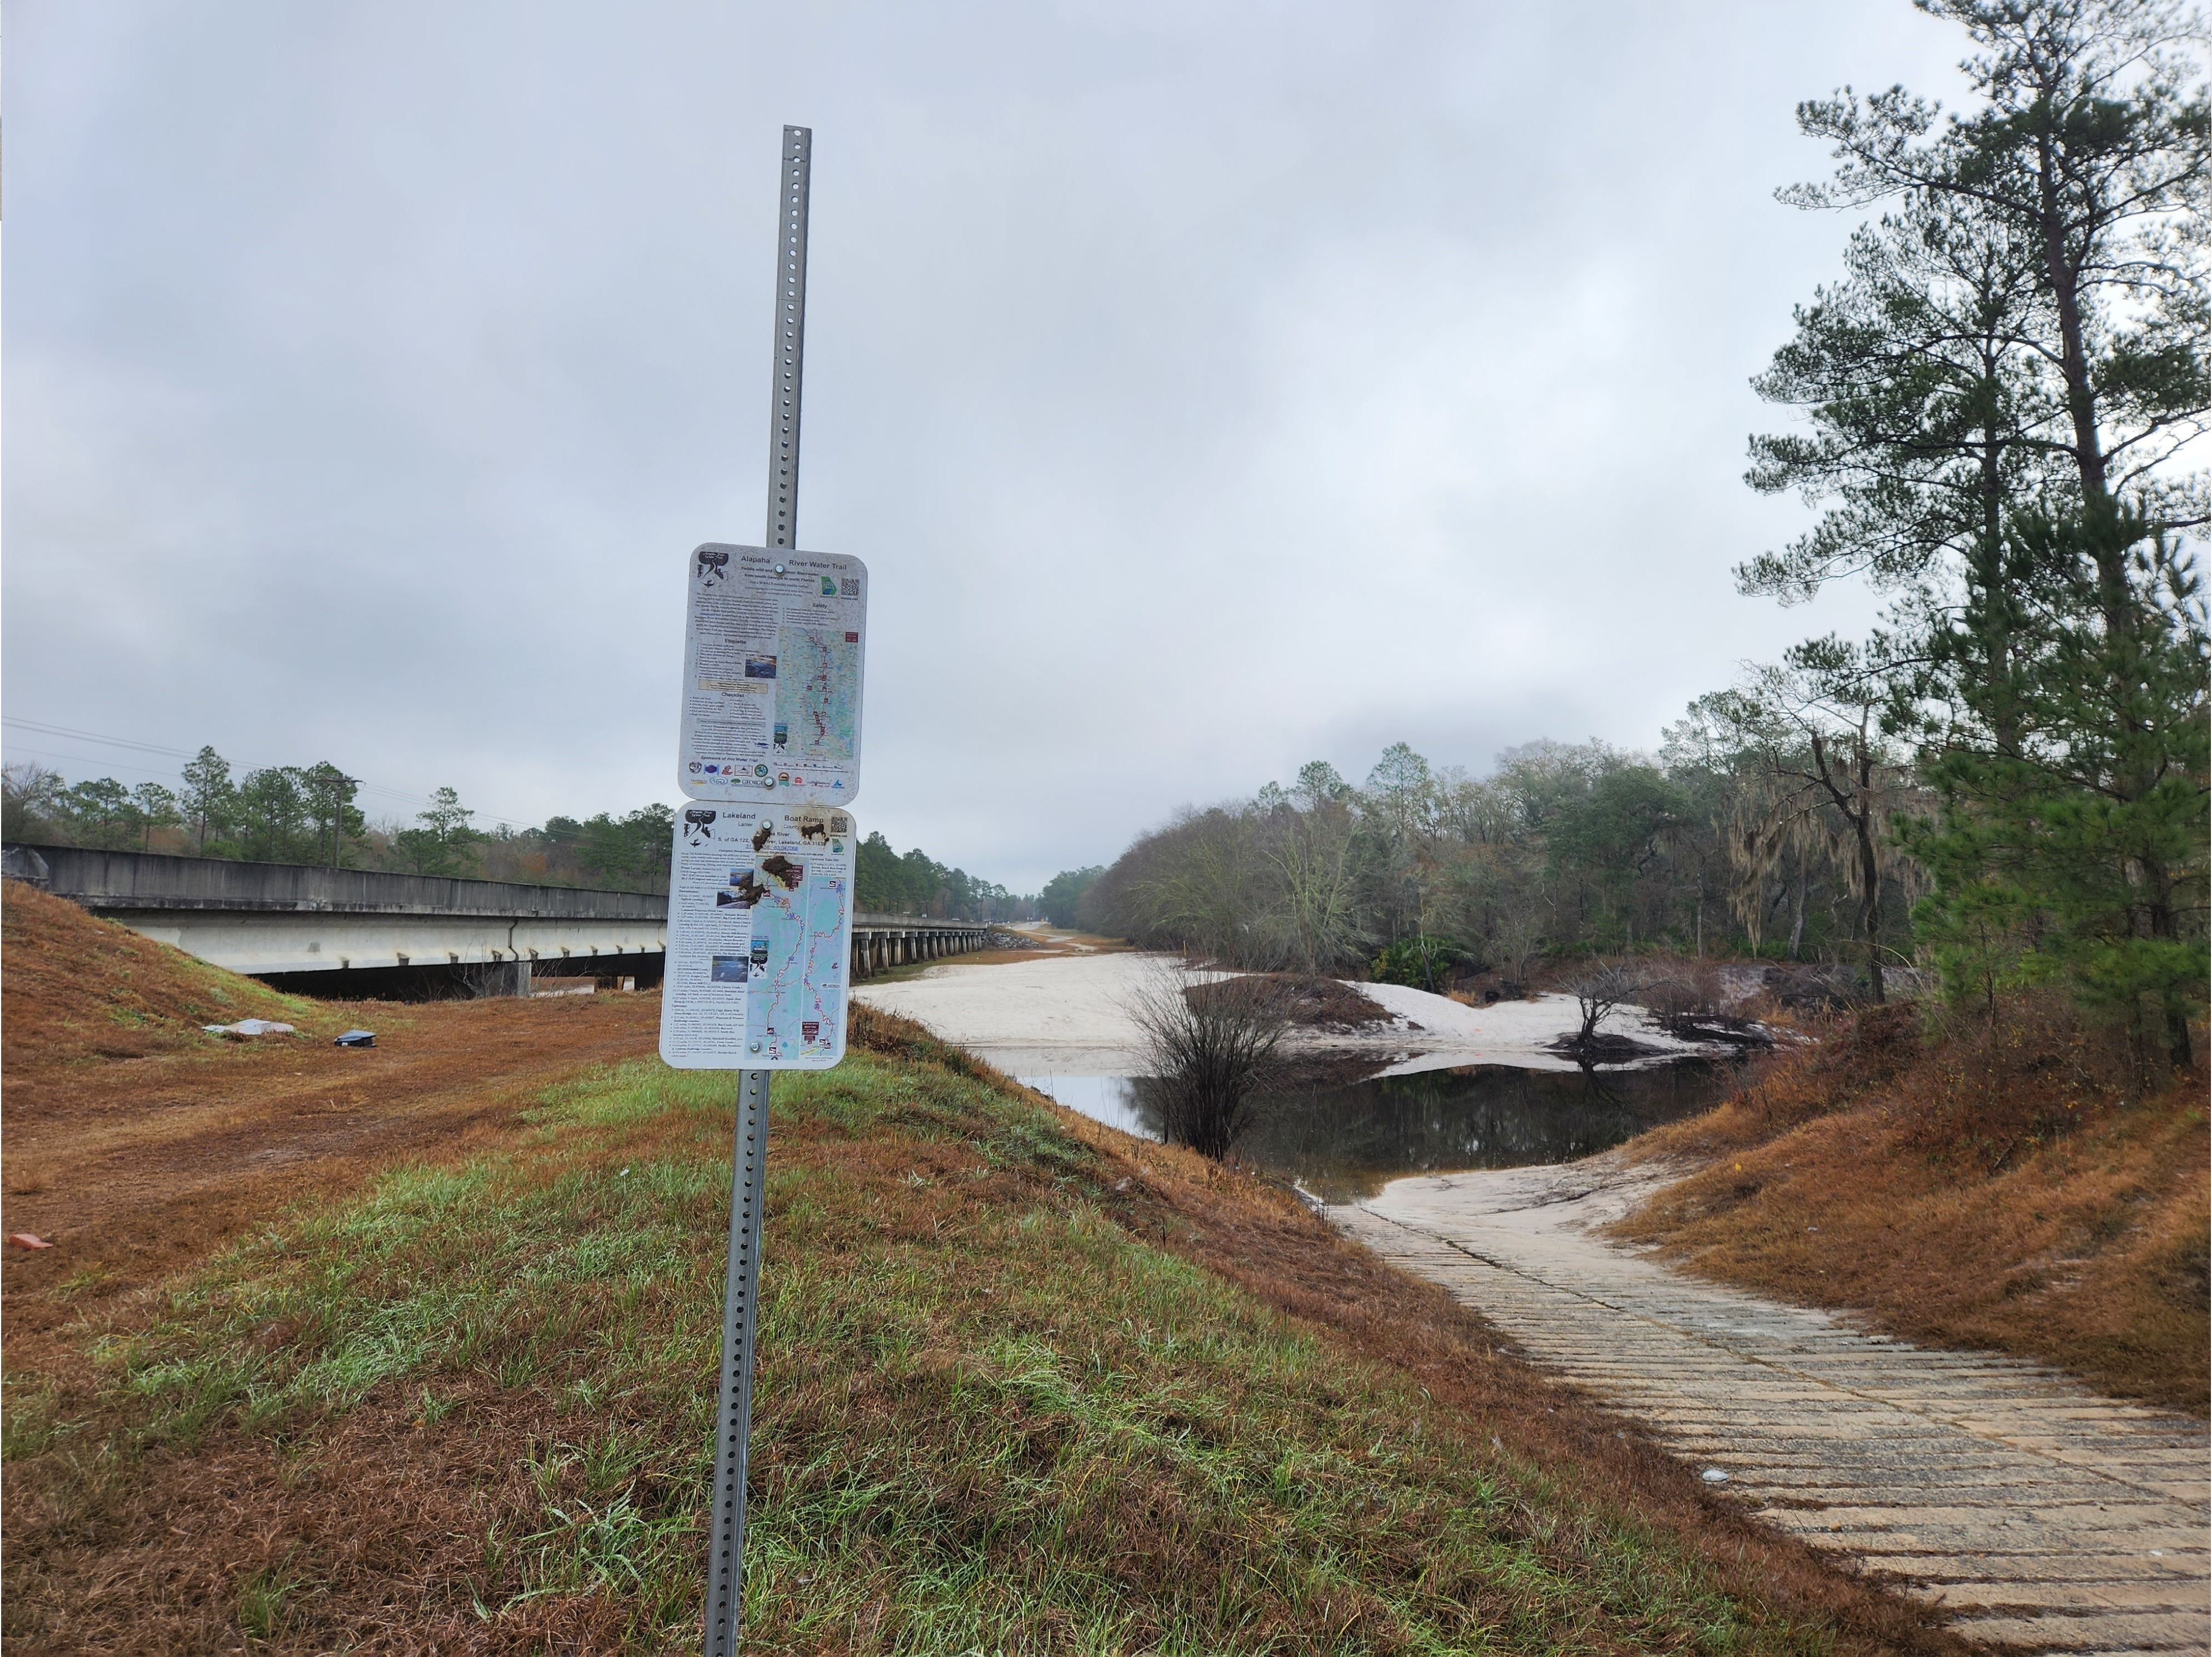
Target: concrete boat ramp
[(2046, 1515)]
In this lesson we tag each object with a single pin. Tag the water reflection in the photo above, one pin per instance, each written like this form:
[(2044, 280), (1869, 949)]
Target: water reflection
[(1345, 1139)]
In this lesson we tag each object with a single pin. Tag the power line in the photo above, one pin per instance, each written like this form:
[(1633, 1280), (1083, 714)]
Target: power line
[(132, 744)]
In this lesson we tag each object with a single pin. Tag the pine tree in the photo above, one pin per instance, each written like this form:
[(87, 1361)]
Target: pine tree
[(2071, 840), (209, 796)]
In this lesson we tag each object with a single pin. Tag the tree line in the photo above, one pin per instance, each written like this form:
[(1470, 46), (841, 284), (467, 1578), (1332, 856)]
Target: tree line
[(309, 815), (917, 884), (1564, 850), (2007, 780)]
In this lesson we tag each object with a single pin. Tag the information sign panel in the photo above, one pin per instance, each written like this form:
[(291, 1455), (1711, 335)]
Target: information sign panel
[(773, 647), (760, 937)]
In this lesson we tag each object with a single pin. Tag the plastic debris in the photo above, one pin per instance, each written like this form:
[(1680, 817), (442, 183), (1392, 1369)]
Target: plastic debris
[(356, 1039), (249, 1026), (29, 1240), (1714, 1476)]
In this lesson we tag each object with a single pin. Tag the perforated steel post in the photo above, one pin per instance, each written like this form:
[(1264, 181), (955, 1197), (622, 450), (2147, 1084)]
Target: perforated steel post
[(790, 341), (749, 1160)]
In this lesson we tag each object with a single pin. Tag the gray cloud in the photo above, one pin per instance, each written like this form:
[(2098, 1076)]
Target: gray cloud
[(1208, 388)]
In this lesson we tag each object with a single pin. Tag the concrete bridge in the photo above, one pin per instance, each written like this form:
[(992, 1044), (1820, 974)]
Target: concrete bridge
[(271, 918), (884, 941), (278, 918)]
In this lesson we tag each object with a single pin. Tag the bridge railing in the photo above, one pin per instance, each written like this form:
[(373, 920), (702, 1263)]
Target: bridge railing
[(105, 881)]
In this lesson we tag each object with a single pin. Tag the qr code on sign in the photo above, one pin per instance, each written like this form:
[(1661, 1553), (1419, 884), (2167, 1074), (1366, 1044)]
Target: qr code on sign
[(850, 586)]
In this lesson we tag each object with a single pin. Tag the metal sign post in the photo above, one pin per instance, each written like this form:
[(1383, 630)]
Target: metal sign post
[(749, 1159)]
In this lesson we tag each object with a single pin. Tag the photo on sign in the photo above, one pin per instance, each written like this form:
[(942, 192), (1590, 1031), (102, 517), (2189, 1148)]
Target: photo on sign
[(760, 938)]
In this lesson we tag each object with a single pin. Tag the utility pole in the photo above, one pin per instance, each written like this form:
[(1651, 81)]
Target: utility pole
[(749, 1159), (334, 786)]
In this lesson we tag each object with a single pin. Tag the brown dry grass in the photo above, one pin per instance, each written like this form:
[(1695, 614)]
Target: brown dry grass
[(1320, 1002), (973, 958), (85, 989), (1088, 942), (927, 1230), (2001, 1186), (137, 1144)]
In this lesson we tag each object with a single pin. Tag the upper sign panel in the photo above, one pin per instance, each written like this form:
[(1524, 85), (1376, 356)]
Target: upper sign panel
[(773, 647)]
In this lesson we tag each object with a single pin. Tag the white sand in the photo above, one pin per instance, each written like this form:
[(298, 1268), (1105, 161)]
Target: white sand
[(1053, 1014)]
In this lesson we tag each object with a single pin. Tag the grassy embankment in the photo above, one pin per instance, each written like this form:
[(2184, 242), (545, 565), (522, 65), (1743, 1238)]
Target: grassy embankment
[(2004, 1185), (1024, 1385)]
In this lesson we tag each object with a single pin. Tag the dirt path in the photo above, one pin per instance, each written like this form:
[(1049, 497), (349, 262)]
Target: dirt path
[(2049, 1516)]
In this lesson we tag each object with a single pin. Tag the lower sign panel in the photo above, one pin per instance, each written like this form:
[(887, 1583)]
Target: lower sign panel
[(760, 938)]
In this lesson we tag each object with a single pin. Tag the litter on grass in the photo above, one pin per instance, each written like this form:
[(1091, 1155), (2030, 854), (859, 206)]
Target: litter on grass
[(356, 1039), (249, 1026), (29, 1240), (1714, 1476)]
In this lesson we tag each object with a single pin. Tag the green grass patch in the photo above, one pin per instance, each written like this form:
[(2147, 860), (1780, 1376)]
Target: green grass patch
[(988, 1419)]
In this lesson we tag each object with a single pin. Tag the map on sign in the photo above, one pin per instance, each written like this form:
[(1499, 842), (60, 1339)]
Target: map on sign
[(773, 645), (760, 938), (817, 685)]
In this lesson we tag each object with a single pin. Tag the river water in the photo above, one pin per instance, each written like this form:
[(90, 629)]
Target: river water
[(1343, 1139)]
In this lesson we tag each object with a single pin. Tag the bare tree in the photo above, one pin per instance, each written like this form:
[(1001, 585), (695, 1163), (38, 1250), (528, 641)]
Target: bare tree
[(1314, 911), (1813, 727), (1209, 1043), (30, 797), (1606, 986)]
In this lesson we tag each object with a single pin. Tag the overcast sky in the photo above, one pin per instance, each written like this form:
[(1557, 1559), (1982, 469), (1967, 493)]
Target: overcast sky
[(1208, 387)]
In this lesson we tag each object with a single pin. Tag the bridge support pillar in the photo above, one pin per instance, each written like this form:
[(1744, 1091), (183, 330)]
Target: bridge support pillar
[(522, 977)]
